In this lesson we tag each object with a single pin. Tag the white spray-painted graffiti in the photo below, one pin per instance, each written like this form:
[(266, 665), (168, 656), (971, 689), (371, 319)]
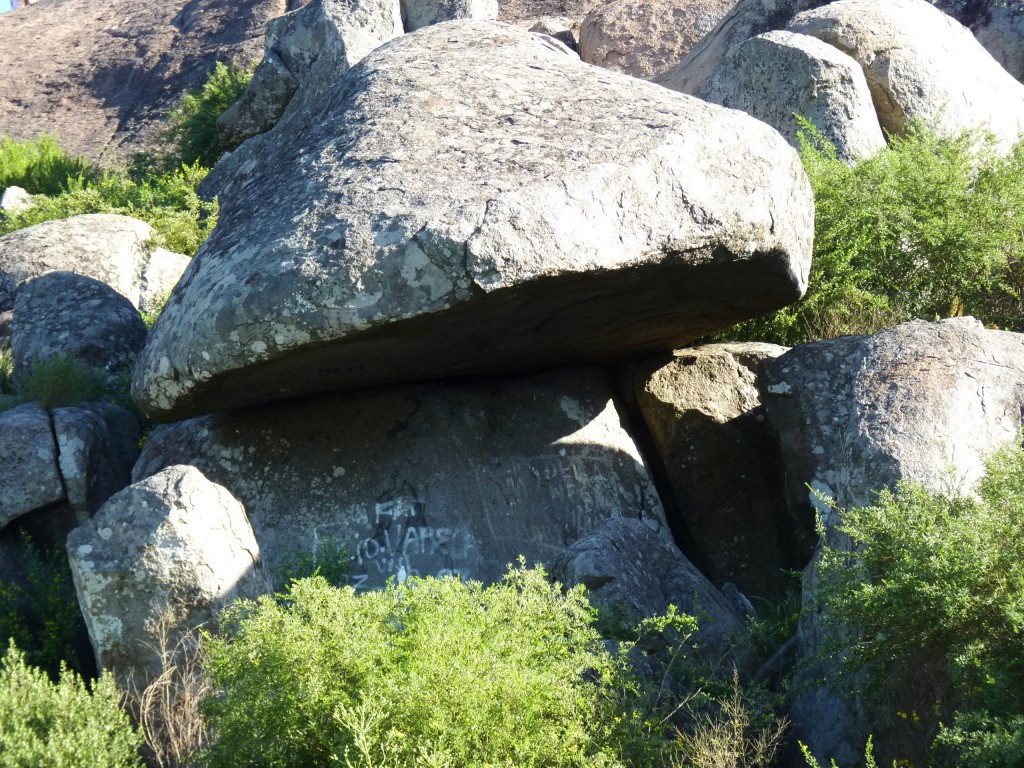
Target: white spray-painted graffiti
[(403, 544)]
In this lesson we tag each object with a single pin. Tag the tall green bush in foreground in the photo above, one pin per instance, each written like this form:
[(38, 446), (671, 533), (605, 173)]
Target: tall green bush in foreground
[(432, 672), (935, 587), (61, 725), (930, 227)]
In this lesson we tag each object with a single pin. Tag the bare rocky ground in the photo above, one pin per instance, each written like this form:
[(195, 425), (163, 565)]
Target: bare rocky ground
[(101, 75)]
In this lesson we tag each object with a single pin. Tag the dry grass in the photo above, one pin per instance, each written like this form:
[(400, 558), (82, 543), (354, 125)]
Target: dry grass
[(167, 707)]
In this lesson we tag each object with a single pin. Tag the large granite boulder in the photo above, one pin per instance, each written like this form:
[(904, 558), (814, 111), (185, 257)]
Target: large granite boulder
[(921, 63), (63, 314), (330, 35), (113, 249), (98, 444), (417, 14), (779, 75), (704, 411), (1001, 30), (173, 545), (29, 476), (633, 571), (509, 208), (427, 480), (645, 39), (922, 402)]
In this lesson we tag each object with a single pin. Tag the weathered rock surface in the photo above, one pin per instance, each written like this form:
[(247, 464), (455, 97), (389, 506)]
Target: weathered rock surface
[(112, 249), (98, 444), (65, 314), (633, 571), (704, 411), (750, 18), (324, 39), (537, 211), (1001, 30), (102, 76), (779, 75), (29, 478), (417, 14), (922, 402), (174, 540), (921, 63), (560, 28), (425, 480), (645, 39)]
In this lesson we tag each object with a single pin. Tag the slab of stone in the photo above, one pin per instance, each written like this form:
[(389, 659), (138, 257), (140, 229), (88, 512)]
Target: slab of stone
[(29, 477), (427, 480), (417, 14), (779, 76), (509, 209), (173, 541)]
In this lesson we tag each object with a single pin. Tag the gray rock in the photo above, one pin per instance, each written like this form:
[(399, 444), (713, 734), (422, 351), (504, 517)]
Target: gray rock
[(703, 409), (115, 250), (633, 571), (922, 402), (645, 38), (15, 200), (427, 480), (921, 63), (28, 455), (98, 443), (162, 272), (340, 31), (174, 541), (417, 14), (66, 314), (779, 75), (536, 211), (560, 28), (1001, 31)]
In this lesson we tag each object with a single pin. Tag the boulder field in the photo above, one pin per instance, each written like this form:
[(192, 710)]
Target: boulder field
[(447, 319)]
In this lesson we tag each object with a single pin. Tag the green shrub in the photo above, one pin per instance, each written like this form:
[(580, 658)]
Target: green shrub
[(933, 593), (930, 227), (168, 202), (432, 672), (59, 381), (40, 166), (194, 122), (41, 614), (61, 725)]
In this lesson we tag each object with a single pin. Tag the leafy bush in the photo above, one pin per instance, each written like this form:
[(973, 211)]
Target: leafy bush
[(59, 381), (930, 227), (934, 592), (41, 615), (168, 202), (194, 122), (61, 725), (40, 167), (432, 672)]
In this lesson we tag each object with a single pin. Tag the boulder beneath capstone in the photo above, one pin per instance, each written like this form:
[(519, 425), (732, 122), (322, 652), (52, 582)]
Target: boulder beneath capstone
[(921, 64), (174, 546), (704, 410), (423, 481), (116, 250), (779, 75), (633, 571), (922, 402), (472, 200)]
